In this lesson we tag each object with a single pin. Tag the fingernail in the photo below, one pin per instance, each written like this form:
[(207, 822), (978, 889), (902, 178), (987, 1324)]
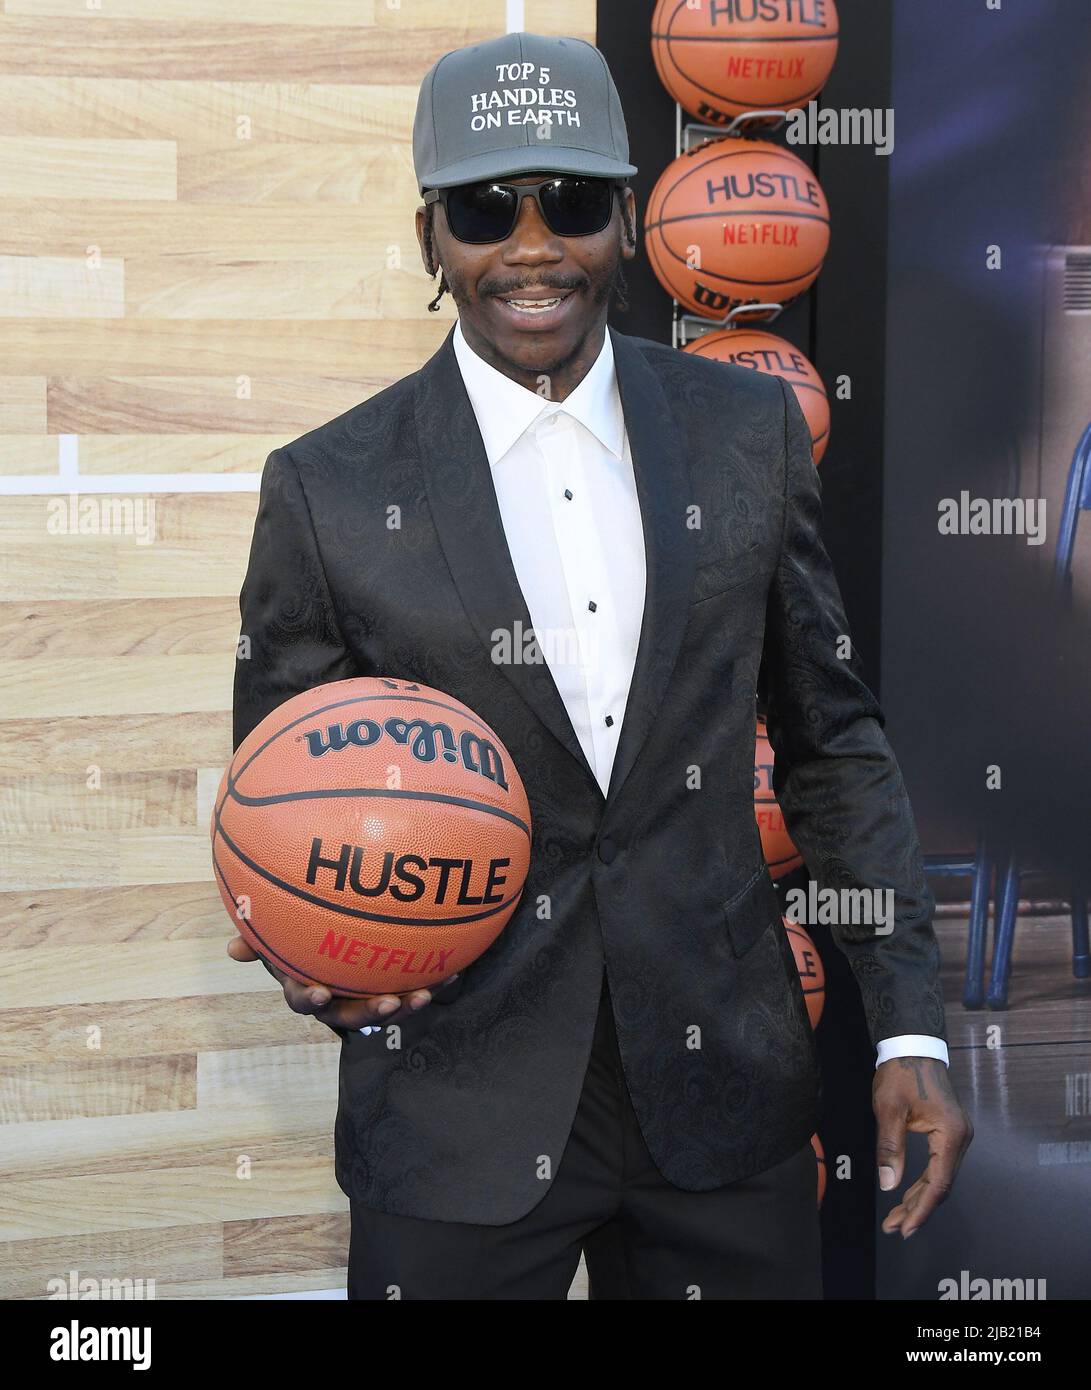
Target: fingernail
[(417, 1003), (906, 1235), (388, 1006), (886, 1178)]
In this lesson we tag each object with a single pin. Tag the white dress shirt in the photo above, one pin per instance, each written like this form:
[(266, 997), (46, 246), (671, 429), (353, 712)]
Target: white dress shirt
[(566, 490)]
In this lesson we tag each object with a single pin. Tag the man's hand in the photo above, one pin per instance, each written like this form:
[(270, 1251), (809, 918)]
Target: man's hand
[(337, 1011), (915, 1093)]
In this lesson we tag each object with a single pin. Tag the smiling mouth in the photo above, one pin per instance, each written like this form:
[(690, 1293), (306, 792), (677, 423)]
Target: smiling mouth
[(536, 304)]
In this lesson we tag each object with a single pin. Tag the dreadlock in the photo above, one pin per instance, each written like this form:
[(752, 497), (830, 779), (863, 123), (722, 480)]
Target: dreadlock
[(430, 258), (619, 288)]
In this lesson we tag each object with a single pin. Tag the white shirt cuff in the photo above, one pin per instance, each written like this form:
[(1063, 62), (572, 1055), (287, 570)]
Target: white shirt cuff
[(913, 1045)]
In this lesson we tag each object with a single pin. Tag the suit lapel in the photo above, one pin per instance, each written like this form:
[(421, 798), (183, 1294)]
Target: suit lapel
[(467, 517), (464, 508), (662, 484)]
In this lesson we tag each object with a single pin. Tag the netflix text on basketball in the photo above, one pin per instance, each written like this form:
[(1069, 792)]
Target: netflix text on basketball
[(383, 958)]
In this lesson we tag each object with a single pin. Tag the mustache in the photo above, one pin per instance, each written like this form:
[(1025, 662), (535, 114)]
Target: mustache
[(561, 284)]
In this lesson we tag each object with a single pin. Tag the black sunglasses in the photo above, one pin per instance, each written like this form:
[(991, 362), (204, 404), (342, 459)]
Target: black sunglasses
[(570, 204)]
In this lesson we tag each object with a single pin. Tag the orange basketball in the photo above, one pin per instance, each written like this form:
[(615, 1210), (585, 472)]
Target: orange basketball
[(720, 58), (765, 352), (820, 1157), (736, 222), (371, 835), (780, 854), (812, 977)]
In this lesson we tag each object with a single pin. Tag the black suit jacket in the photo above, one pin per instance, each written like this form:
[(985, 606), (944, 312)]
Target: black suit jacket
[(379, 550)]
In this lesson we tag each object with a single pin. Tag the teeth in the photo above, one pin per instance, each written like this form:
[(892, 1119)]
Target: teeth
[(533, 304)]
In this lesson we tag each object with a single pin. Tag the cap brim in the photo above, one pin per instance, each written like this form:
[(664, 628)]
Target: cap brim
[(550, 158)]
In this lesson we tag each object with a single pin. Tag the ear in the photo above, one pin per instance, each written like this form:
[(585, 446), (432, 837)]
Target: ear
[(628, 243), (419, 221)]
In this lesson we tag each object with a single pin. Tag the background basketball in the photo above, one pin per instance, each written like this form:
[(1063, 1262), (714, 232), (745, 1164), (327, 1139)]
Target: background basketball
[(812, 977), (718, 61), (776, 844), (371, 835), (820, 1158), (736, 222), (765, 352)]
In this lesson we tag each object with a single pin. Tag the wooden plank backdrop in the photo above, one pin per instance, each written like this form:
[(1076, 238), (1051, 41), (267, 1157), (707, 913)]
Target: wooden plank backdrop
[(206, 248)]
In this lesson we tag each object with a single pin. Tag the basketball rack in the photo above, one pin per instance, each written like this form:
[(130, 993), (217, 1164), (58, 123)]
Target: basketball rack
[(685, 131), (687, 327)]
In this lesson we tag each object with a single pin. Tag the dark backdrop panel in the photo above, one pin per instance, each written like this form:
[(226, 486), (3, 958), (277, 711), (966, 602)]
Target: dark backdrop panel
[(981, 665)]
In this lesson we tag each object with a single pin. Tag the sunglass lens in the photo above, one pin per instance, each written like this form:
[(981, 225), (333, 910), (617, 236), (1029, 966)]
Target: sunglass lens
[(481, 211), (577, 206)]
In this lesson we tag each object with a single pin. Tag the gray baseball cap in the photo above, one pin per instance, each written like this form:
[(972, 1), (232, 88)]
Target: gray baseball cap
[(515, 104)]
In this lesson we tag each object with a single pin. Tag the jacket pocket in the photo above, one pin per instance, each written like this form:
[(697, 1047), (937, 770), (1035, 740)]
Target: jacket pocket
[(751, 910), (720, 575)]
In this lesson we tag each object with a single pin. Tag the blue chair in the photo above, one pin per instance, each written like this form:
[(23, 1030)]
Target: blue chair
[(1008, 879), (978, 869), (1077, 498)]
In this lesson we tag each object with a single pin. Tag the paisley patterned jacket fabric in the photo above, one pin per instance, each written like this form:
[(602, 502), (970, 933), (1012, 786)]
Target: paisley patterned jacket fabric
[(464, 1115)]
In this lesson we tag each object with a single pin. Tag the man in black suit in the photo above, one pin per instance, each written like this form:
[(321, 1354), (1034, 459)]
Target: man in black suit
[(629, 1069)]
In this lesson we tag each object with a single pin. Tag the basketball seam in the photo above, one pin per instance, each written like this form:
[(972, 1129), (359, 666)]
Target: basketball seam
[(741, 212), (345, 990), (715, 38), (331, 793)]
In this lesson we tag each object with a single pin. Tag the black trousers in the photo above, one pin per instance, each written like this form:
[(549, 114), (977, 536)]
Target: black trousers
[(642, 1237)]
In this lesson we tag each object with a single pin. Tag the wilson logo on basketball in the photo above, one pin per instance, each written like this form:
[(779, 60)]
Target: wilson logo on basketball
[(425, 740)]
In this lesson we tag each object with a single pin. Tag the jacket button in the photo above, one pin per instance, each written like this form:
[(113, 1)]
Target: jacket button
[(607, 851)]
